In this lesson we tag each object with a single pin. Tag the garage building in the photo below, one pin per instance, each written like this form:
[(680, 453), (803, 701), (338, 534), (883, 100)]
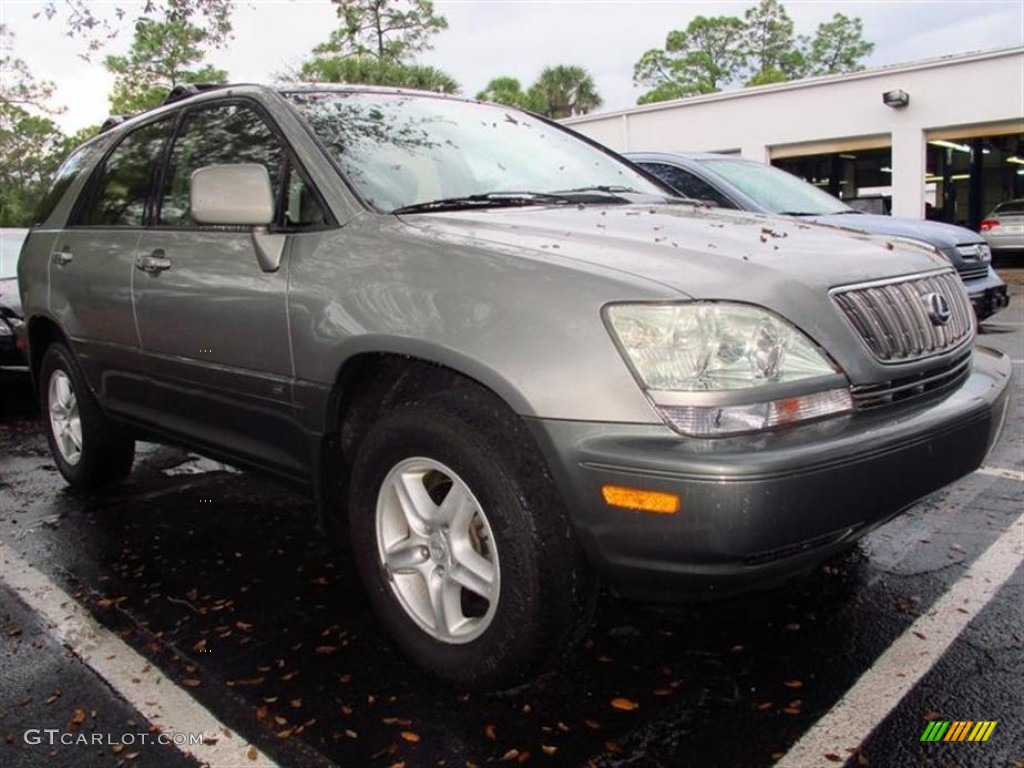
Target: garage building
[(942, 138)]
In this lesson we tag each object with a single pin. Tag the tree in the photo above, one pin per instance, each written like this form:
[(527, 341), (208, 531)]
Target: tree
[(18, 86), (29, 142), (564, 90), (389, 30), (82, 20), (370, 70), (769, 44), (163, 54), (703, 58), (375, 46), (505, 90), (838, 46), (30, 151)]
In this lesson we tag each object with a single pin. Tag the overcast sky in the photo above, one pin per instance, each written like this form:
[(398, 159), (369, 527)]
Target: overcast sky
[(487, 38)]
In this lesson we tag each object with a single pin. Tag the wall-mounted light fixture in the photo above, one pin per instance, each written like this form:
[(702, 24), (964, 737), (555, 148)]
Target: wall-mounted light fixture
[(896, 99)]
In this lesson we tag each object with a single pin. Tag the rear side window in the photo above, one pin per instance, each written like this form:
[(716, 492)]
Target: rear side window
[(122, 189), (62, 179), (687, 184), (230, 133)]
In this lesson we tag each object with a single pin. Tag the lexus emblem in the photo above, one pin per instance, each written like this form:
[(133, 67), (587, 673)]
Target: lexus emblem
[(938, 308)]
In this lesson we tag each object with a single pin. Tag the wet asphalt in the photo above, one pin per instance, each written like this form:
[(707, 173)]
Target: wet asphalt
[(221, 579)]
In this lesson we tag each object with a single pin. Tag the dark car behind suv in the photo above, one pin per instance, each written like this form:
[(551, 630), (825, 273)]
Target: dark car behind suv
[(732, 182)]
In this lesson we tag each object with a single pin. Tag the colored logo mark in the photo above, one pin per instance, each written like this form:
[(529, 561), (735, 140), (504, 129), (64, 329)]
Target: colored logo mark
[(959, 730)]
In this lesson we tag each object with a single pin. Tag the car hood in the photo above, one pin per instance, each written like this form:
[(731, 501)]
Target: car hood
[(700, 252), (943, 236), (10, 300)]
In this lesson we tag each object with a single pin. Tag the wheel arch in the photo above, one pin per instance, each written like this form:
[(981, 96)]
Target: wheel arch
[(42, 332), (375, 378), (372, 381)]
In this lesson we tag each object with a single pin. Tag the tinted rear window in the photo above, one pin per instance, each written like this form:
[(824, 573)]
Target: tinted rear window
[(1011, 206), (62, 179)]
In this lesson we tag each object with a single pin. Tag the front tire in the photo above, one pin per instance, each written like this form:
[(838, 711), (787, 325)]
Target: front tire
[(467, 554), (88, 448)]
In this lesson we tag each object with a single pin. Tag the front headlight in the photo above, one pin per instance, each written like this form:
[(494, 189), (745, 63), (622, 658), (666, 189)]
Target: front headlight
[(716, 368)]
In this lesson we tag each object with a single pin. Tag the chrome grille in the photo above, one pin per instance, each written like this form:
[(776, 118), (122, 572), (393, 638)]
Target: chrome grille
[(893, 317), (973, 272), (933, 382)]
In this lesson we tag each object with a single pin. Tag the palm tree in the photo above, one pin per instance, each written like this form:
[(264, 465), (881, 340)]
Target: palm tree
[(565, 90), (504, 90)]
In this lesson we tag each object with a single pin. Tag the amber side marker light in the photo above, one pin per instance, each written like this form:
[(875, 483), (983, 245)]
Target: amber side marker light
[(641, 501)]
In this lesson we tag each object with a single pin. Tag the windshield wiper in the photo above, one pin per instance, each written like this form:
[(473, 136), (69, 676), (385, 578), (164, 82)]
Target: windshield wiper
[(486, 200), (611, 189), (814, 213)]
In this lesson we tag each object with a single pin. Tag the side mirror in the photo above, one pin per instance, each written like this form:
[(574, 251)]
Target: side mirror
[(238, 195)]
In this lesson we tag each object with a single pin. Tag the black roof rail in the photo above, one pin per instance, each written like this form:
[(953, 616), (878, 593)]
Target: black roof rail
[(112, 122), (185, 90)]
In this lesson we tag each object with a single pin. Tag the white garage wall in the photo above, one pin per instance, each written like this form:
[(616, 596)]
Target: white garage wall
[(834, 113)]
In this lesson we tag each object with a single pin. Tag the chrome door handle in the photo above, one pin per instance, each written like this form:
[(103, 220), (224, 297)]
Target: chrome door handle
[(62, 257), (155, 263)]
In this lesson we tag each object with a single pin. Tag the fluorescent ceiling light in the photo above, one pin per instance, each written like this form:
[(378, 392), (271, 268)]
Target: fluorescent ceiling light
[(885, 169), (1015, 159), (950, 145), (848, 157)]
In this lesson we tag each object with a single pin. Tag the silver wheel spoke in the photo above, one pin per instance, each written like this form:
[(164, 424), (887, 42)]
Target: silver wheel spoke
[(75, 432), (457, 508), (444, 604), (474, 572), (407, 556), (417, 506)]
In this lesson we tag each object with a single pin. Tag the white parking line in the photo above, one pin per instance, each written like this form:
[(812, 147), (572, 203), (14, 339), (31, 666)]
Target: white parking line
[(157, 697), (915, 652), (1006, 474)]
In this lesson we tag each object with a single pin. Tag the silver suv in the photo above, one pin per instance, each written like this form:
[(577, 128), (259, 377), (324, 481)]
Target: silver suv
[(506, 363)]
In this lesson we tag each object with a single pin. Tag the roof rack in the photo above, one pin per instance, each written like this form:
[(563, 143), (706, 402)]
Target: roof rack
[(185, 90), (112, 122)]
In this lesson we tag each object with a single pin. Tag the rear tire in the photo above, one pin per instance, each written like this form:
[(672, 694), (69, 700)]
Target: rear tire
[(465, 549), (89, 449)]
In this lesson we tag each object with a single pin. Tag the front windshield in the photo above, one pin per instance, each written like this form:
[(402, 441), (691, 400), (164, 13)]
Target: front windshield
[(404, 149), (775, 190)]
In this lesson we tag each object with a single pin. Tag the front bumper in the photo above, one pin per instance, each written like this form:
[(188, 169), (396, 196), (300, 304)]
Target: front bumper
[(988, 294), (756, 509)]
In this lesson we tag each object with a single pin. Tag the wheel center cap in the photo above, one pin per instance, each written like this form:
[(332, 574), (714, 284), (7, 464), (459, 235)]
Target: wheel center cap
[(438, 548)]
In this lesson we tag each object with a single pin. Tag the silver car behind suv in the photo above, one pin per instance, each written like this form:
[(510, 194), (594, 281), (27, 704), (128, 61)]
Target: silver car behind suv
[(733, 182), (510, 362), (1003, 228)]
